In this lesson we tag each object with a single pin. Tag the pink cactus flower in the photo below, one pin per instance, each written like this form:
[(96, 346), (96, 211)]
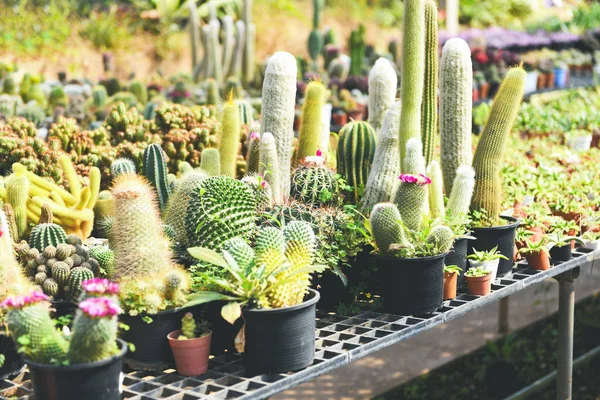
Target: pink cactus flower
[(420, 179), (22, 301), (2, 231), (100, 286), (100, 307), (319, 153), (254, 136)]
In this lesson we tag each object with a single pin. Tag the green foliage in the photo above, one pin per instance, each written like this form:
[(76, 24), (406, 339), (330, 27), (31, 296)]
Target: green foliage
[(485, 13), (107, 31), (477, 272), (486, 255)]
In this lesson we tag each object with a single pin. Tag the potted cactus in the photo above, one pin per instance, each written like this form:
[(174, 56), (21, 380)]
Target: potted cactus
[(191, 346), (268, 287), (479, 281), (85, 365), (536, 254)]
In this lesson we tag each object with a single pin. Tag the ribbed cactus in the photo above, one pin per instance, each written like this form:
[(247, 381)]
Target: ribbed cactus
[(310, 132), (429, 104), (253, 153), (462, 191), (357, 50), (74, 289), (411, 196), (140, 246), (314, 183), (155, 170), (241, 251), (487, 161), (188, 326), (60, 274), (230, 139), (436, 191), (48, 234), (240, 46), (441, 237), (106, 260), (99, 96), (17, 193), (383, 84), (210, 162), (277, 117), (246, 112), (456, 93), (268, 166), (139, 90), (355, 152), (122, 166), (50, 287), (57, 97), (385, 224), (413, 71), (222, 208)]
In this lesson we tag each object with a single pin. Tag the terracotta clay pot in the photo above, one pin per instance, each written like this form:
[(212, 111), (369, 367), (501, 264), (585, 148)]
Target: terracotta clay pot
[(550, 80), (479, 285), (450, 280), (542, 81), (537, 233), (484, 90), (538, 261), (339, 118), (191, 355)]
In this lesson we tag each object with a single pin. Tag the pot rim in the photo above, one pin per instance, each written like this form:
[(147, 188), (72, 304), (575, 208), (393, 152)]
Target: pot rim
[(513, 225), (188, 339), (162, 312), (413, 259), (305, 304), (479, 278), (79, 367)]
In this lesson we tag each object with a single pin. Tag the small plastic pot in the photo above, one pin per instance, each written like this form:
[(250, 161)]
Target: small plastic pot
[(458, 256), (562, 253), (191, 355), (450, 280), (479, 285), (280, 340), (99, 380), (538, 261), (491, 266), (501, 236)]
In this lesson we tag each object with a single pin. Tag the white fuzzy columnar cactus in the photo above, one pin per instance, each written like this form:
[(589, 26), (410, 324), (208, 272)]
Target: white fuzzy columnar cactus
[(278, 102), (462, 191), (436, 191), (456, 85), (383, 176), (268, 166), (382, 91)]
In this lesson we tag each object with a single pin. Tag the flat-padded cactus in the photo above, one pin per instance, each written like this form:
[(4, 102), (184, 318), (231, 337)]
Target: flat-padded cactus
[(355, 152), (383, 84)]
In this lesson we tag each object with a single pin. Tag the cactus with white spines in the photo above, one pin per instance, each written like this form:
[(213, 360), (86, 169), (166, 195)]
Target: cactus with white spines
[(383, 84), (268, 166), (436, 191), (462, 191)]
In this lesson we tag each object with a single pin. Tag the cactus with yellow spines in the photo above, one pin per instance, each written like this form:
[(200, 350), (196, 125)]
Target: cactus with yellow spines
[(210, 162), (488, 157), (310, 131), (429, 103), (230, 138), (17, 193)]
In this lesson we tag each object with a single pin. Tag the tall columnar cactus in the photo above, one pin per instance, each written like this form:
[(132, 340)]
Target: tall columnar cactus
[(228, 43), (383, 84), (429, 105), (456, 93), (213, 42), (411, 196), (268, 166), (11, 222), (94, 336), (140, 245), (357, 50), (413, 71), (155, 170), (249, 63), (487, 194), (253, 154), (278, 102), (122, 166), (246, 112), (310, 132), (355, 152), (436, 191), (17, 193), (382, 180), (385, 224), (230, 139), (462, 191), (210, 162), (194, 36), (213, 97), (315, 39), (240, 47)]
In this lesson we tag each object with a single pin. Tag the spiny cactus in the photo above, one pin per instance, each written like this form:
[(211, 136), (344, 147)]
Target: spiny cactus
[(261, 190), (441, 237), (17, 193), (122, 166), (277, 117), (314, 183), (12, 281), (140, 246), (230, 139), (246, 112), (429, 104), (310, 132), (44, 235), (188, 326), (487, 194), (462, 191), (355, 152), (241, 251), (106, 259), (11, 222), (155, 170), (253, 154), (357, 50), (57, 97), (456, 86), (383, 84), (268, 166), (385, 224), (175, 286), (413, 71), (210, 162), (436, 191), (249, 65), (74, 289)]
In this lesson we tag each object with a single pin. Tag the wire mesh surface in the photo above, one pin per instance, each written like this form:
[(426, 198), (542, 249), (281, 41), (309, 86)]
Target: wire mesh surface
[(339, 341)]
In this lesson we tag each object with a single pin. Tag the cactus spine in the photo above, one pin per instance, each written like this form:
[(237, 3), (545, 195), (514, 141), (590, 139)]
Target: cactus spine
[(383, 83), (429, 105), (210, 162), (383, 176), (310, 132), (462, 191), (230, 139), (487, 194), (385, 223), (413, 71), (278, 102), (355, 152), (456, 86), (17, 193), (436, 192), (268, 166), (155, 170)]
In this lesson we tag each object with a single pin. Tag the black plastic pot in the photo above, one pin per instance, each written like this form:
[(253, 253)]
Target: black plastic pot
[(280, 339), (458, 256), (13, 361), (501, 236), (152, 351), (93, 381), (224, 333), (562, 253), (412, 286), (332, 290)]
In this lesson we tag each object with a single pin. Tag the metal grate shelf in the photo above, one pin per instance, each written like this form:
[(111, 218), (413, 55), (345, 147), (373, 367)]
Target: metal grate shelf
[(339, 341)]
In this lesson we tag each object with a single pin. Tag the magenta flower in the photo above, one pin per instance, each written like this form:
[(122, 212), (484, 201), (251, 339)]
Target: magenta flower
[(254, 136), (100, 307), (22, 301), (420, 179), (100, 286), (2, 231), (319, 153)]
